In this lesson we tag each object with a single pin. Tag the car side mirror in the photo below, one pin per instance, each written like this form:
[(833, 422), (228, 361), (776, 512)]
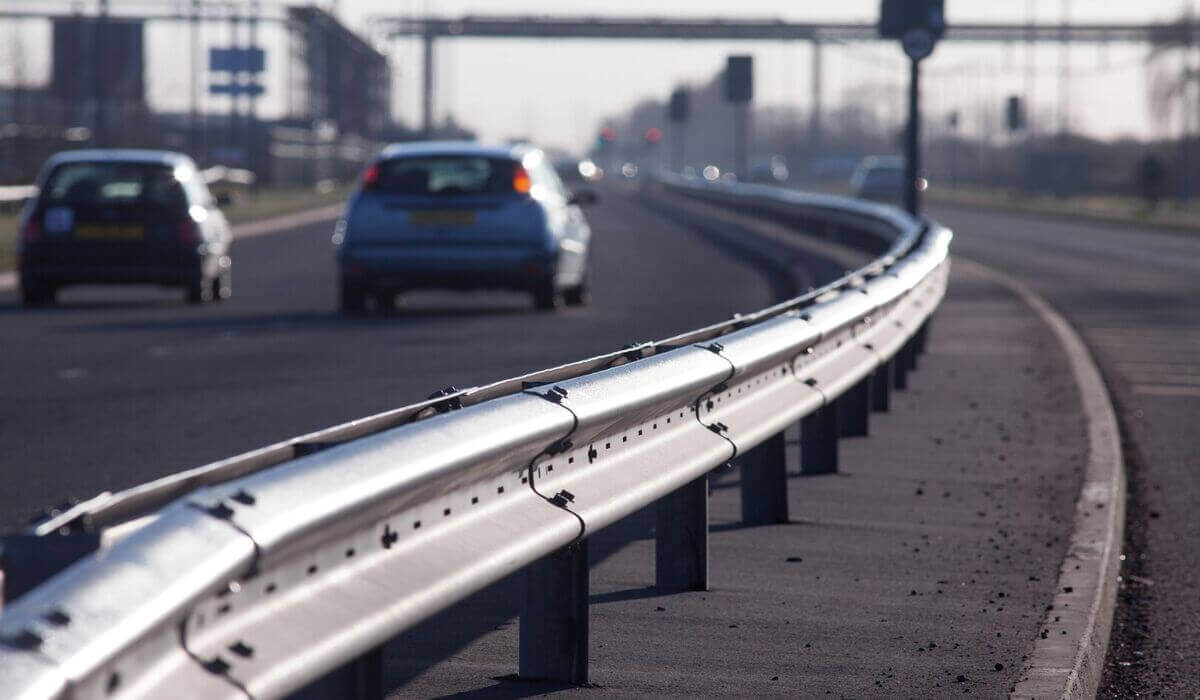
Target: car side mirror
[(224, 199), (583, 198)]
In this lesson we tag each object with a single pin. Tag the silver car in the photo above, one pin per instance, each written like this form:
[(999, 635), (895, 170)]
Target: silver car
[(460, 215), (123, 217)]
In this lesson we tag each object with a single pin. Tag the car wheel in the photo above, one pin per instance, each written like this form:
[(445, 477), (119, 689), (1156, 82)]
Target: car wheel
[(577, 295), (385, 301), (222, 286), (353, 299), (545, 296), (199, 290), (37, 294)]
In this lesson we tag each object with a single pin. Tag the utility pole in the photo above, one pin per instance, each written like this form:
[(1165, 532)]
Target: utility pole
[(99, 64), (814, 119), (252, 117), (194, 96)]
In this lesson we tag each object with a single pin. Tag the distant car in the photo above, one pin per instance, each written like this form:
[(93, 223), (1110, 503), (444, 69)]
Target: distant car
[(771, 170), (122, 217), (880, 178), (461, 215)]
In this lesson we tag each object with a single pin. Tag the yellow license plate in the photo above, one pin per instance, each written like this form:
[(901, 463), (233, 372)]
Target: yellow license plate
[(456, 217), (110, 232)]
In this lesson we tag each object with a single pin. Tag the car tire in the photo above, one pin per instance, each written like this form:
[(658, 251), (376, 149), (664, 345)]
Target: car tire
[(37, 294), (545, 296), (199, 290), (353, 299), (385, 301), (222, 286), (577, 295)]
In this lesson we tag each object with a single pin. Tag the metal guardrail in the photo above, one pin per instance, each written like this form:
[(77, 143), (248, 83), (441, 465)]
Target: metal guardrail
[(255, 576)]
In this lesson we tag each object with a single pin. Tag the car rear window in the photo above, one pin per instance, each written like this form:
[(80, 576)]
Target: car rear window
[(445, 176), (111, 183)]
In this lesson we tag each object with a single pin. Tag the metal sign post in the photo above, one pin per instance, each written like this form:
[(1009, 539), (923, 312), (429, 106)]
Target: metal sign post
[(918, 24)]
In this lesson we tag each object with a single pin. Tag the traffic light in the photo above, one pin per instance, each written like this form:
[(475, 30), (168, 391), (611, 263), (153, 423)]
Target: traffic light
[(653, 135), (1014, 113), (680, 107)]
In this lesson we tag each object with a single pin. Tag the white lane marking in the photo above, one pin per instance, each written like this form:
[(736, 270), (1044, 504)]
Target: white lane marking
[(158, 351), (287, 221), (1166, 390), (72, 373)]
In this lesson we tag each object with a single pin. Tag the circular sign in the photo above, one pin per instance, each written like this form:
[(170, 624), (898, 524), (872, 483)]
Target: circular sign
[(918, 43)]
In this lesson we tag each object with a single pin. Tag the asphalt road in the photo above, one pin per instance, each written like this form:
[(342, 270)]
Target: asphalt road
[(120, 385), (1132, 294)]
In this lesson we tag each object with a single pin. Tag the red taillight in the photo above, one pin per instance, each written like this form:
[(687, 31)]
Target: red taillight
[(31, 232), (370, 177), (189, 232), (521, 182)]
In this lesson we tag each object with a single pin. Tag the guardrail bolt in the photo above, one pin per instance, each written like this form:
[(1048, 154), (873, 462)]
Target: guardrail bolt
[(389, 537)]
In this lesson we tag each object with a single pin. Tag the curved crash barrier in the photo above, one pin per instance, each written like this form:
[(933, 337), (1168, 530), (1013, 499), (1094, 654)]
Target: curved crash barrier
[(264, 573)]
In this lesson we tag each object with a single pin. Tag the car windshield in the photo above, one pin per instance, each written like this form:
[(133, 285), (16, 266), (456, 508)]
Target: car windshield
[(107, 183), (445, 176)]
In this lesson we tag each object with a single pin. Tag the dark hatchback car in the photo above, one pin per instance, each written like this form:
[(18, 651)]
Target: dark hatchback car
[(460, 215), (122, 217)]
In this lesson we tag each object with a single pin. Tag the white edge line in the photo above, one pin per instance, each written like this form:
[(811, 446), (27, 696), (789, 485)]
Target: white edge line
[(1070, 665)]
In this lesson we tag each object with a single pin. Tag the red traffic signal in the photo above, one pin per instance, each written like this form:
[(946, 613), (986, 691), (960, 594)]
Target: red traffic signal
[(608, 134), (653, 135)]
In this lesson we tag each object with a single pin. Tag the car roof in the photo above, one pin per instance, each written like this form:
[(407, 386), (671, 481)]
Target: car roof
[(120, 155), (515, 151)]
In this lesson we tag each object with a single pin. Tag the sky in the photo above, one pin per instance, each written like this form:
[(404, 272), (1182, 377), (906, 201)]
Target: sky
[(558, 93)]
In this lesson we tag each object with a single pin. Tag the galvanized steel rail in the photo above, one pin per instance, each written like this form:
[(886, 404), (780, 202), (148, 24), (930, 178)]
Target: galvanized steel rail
[(255, 576)]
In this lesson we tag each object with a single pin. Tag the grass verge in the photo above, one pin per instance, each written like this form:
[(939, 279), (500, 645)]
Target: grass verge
[(1121, 210)]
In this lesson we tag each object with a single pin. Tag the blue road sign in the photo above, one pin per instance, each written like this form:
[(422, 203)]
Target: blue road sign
[(237, 60)]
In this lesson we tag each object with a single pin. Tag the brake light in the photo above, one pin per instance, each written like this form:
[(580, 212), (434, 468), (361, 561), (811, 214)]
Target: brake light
[(370, 176), (189, 232), (521, 182), (31, 232)]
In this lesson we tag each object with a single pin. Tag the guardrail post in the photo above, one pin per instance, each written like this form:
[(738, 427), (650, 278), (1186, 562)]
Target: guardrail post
[(854, 410), (359, 679), (764, 483), (681, 539), (900, 366), (912, 349), (881, 387), (554, 621), (923, 336), (819, 441)]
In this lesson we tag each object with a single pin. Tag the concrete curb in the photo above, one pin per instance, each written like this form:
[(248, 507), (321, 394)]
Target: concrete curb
[(249, 229), (1068, 655)]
